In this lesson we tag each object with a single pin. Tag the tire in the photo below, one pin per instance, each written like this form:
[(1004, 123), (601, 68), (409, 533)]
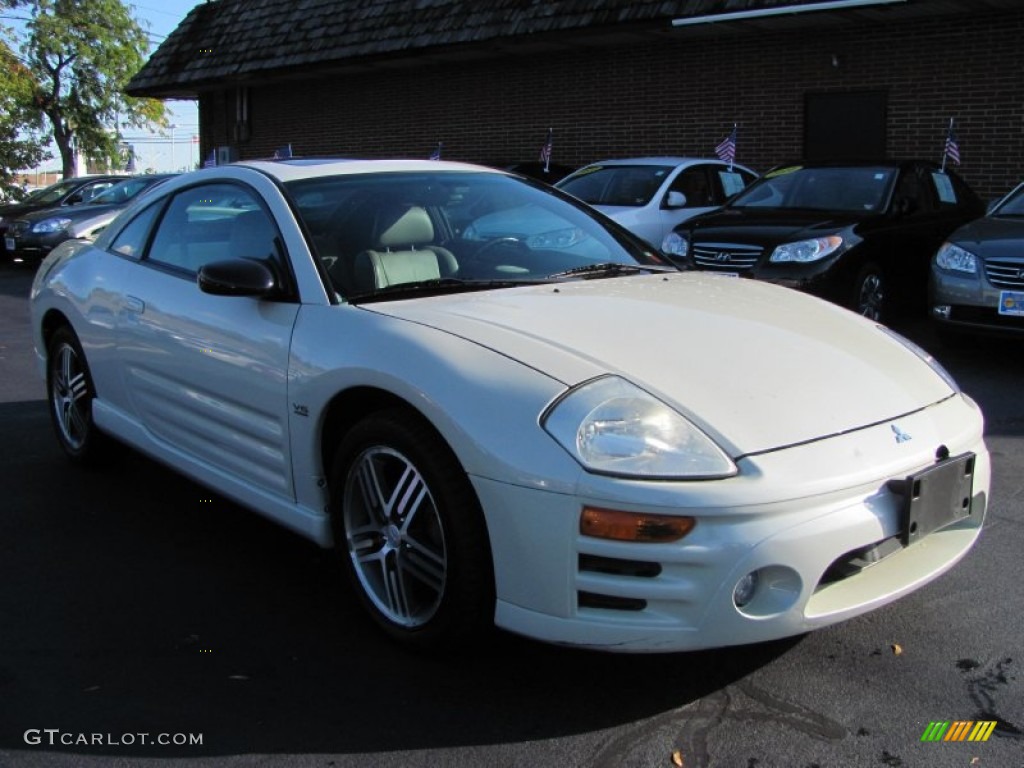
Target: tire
[(410, 533), (869, 293), (70, 393)]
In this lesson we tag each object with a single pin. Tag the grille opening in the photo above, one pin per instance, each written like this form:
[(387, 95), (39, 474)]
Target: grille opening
[(618, 567), (609, 602), (857, 560)]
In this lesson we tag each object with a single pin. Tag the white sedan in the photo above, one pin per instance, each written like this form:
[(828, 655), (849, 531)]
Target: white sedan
[(510, 430), (650, 196)]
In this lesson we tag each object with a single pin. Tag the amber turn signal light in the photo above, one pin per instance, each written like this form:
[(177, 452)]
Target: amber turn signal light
[(633, 526)]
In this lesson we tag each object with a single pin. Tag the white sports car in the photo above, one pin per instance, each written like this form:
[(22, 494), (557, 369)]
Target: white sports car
[(559, 434)]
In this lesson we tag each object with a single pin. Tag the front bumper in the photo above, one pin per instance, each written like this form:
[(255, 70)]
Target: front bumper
[(822, 506), (970, 304)]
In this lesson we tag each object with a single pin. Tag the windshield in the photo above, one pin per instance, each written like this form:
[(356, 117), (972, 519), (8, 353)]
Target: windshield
[(55, 192), (122, 192), (1012, 205), (619, 185), (825, 189), (456, 231)]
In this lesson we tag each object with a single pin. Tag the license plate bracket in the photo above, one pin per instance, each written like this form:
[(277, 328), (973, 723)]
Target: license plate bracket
[(935, 497)]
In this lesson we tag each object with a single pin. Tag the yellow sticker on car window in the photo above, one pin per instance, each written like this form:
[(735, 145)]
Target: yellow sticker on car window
[(782, 171)]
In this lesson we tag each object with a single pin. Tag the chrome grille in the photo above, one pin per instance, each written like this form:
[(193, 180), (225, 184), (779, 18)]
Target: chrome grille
[(731, 256), (1004, 273)]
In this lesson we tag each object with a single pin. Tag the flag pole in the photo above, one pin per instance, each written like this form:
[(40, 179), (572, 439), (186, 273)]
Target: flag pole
[(945, 145), (734, 144)]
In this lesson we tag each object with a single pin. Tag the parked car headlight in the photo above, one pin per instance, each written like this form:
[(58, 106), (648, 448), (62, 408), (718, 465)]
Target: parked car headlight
[(956, 259), (804, 251), (613, 427), (47, 226), (675, 244)]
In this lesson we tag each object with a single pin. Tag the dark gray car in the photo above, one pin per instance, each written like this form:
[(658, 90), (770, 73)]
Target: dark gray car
[(977, 276), (31, 236)]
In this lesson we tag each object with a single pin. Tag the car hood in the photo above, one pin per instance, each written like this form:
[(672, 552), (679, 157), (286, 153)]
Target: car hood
[(770, 225), (755, 365), (991, 237)]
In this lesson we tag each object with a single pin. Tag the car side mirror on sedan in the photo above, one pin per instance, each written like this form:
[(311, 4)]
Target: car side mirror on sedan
[(237, 277), (904, 206), (675, 200)]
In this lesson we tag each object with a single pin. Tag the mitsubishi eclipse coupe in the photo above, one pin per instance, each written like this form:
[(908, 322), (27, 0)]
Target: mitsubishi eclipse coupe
[(507, 430)]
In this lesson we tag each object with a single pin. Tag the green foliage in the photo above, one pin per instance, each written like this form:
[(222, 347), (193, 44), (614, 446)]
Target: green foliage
[(22, 144), (81, 54)]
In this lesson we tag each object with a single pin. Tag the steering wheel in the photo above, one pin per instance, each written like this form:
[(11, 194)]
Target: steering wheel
[(513, 243)]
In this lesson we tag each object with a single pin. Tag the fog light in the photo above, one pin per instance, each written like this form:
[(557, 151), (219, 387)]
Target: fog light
[(633, 526), (942, 310), (744, 591)]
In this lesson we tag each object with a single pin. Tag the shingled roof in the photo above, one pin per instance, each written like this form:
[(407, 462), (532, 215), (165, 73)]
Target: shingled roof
[(234, 40)]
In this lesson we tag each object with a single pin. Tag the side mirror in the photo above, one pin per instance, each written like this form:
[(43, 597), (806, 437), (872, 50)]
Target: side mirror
[(236, 277), (675, 200), (904, 206)]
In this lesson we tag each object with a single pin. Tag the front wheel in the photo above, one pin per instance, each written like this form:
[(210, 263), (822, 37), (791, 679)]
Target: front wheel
[(869, 293), (410, 532), (70, 393)]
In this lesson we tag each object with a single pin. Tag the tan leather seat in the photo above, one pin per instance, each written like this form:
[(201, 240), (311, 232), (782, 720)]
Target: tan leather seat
[(403, 253)]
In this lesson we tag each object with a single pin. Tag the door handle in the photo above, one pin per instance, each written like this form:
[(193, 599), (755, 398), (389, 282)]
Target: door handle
[(133, 304)]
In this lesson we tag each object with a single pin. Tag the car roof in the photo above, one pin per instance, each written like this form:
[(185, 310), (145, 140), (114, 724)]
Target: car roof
[(659, 160), (855, 163), (308, 168)]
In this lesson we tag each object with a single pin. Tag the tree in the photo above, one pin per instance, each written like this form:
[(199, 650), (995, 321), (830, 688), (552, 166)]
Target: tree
[(81, 54), (22, 144)]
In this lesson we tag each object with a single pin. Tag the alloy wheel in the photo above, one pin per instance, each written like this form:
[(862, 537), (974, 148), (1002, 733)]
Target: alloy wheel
[(395, 537)]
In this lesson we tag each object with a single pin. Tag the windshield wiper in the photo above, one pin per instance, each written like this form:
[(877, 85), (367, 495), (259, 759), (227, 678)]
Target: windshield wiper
[(436, 286), (610, 269)]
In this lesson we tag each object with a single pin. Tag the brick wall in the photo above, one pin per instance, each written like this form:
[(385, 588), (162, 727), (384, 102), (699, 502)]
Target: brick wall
[(678, 95)]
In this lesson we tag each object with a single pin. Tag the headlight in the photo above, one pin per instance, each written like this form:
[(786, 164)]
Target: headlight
[(804, 251), (934, 364), (675, 244), (612, 427), (956, 259), (559, 238), (50, 225)]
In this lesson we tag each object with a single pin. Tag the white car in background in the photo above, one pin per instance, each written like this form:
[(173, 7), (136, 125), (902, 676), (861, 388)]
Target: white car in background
[(649, 196), (493, 429)]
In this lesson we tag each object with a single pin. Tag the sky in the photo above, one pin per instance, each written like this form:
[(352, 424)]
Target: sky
[(175, 150)]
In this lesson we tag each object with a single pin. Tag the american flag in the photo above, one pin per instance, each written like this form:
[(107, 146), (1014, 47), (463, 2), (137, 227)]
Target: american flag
[(726, 151), (436, 154), (545, 151), (211, 159), (283, 153), (952, 149)]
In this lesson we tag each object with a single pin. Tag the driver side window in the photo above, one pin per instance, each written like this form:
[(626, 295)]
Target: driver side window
[(213, 222)]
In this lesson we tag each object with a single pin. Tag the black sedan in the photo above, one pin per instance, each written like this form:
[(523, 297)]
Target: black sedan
[(33, 235), (858, 234), (977, 279), (63, 194)]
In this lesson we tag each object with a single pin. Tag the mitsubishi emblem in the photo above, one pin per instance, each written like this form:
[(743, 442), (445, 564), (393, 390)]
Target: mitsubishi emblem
[(901, 436)]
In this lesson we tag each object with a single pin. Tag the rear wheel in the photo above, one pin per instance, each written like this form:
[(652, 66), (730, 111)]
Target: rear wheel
[(869, 293), (410, 532), (70, 393)]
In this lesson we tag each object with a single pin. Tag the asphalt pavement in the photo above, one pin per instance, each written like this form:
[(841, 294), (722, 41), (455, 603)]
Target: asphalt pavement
[(137, 608)]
